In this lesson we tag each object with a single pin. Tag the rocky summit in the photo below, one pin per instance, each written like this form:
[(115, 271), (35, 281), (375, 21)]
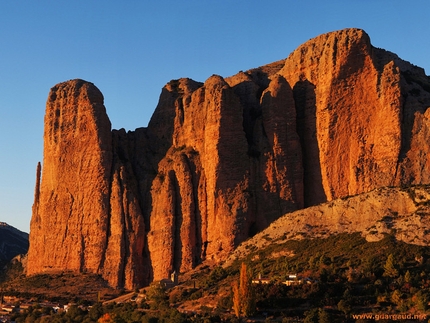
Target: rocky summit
[(221, 160)]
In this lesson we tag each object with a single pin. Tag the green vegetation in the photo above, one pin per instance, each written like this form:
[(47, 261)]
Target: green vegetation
[(243, 294), (62, 287), (114, 313), (342, 275), (155, 309), (337, 277)]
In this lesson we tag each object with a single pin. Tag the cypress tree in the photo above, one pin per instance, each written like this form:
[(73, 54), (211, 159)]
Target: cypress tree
[(389, 268), (243, 294), (236, 299)]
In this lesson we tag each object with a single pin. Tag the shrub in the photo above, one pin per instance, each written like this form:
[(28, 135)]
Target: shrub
[(216, 275)]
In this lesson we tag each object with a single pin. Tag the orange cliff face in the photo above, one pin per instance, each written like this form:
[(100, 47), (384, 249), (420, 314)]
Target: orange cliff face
[(350, 108), (221, 160), (83, 219), (71, 207), (361, 113)]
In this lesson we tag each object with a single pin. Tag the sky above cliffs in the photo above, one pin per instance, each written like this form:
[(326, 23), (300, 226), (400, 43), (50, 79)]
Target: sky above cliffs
[(131, 49)]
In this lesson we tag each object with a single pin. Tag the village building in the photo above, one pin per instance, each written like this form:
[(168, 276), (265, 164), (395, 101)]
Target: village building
[(261, 280), (170, 283), (293, 280)]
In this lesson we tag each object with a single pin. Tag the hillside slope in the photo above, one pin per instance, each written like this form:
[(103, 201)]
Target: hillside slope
[(401, 212)]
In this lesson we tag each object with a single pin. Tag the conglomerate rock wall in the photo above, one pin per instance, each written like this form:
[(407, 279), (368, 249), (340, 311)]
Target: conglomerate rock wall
[(221, 160)]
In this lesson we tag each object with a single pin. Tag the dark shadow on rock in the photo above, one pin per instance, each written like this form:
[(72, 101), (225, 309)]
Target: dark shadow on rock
[(305, 101)]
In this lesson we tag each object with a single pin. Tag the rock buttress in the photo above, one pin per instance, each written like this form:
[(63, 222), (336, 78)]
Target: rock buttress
[(358, 116), (69, 225), (226, 175), (86, 215)]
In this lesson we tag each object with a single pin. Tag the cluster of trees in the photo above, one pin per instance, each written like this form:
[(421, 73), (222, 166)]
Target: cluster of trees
[(156, 308), (347, 275), (97, 313)]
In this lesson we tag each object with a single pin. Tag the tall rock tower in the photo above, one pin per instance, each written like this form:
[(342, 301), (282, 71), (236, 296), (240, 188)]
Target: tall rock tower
[(79, 222)]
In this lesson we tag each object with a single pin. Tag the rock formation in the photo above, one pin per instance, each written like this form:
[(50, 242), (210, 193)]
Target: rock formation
[(221, 160), (362, 111)]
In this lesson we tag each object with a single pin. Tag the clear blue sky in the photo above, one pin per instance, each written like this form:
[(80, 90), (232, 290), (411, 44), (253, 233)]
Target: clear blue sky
[(131, 49)]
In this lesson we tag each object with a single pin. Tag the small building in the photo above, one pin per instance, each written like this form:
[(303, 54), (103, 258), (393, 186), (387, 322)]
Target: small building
[(170, 283), (26, 306), (293, 280), (8, 308), (10, 299), (261, 280)]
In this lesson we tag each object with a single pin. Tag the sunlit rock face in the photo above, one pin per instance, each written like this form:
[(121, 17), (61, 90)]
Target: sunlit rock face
[(361, 112), (221, 160)]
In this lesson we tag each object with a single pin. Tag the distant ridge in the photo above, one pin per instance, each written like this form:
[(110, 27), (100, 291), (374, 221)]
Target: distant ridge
[(13, 242)]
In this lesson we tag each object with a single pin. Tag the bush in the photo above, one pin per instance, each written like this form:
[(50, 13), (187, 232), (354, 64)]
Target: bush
[(216, 275), (196, 295), (157, 297), (225, 303)]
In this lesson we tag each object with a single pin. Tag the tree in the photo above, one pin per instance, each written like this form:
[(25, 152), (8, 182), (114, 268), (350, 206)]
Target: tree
[(96, 311), (75, 313), (396, 297), (408, 277), (243, 294), (312, 316), (421, 300), (246, 291), (312, 262), (236, 299), (214, 277), (389, 267), (324, 316), (371, 266), (157, 297), (107, 318), (344, 306)]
